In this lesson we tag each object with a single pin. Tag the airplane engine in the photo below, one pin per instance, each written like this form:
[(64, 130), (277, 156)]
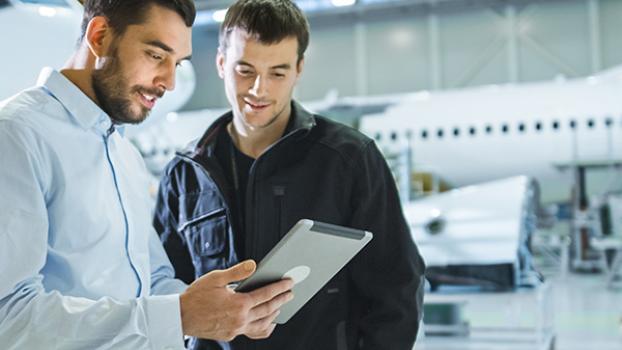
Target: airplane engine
[(478, 235)]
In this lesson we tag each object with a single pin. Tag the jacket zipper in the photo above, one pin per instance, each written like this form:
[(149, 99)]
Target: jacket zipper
[(127, 228), (251, 198), (279, 193), (251, 227), (251, 240)]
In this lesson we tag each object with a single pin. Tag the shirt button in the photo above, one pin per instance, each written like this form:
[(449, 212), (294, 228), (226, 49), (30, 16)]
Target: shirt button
[(206, 245)]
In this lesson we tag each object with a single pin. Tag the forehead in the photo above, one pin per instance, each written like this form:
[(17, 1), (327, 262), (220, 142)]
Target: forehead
[(164, 25), (242, 46)]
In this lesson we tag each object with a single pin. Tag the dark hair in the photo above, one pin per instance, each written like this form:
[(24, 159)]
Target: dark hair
[(270, 21), (122, 13)]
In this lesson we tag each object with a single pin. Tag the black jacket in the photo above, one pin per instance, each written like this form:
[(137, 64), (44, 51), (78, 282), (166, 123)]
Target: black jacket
[(318, 170)]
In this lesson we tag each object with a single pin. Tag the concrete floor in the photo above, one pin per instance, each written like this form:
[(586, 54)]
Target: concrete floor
[(577, 309), (587, 315)]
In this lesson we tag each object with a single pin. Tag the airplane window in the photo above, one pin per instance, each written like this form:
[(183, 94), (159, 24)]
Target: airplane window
[(440, 133), (489, 129), (573, 124), (505, 128), (472, 131), (409, 134), (521, 127), (608, 122), (538, 126), (424, 134), (456, 132), (378, 136), (590, 123), (555, 125), (393, 136)]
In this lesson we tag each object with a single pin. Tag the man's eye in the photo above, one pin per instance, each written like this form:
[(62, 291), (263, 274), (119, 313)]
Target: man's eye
[(155, 56)]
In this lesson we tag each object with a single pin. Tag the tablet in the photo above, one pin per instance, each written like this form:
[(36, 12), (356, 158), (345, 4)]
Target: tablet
[(311, 253)]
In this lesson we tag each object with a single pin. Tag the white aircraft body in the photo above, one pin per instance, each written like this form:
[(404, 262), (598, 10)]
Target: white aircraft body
[(487, 232), (480, 134)]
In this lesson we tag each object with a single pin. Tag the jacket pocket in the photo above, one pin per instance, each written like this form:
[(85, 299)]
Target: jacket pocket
[(206, 237)]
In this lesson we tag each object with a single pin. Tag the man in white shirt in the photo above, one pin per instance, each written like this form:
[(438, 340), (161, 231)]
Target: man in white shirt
[(80, 264)]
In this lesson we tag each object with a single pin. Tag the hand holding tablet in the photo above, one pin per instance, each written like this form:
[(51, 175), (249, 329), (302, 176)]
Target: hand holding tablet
[(310, 254)]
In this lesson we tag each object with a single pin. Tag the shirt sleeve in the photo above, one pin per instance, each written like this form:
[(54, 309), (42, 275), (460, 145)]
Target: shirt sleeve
[(30, 316), (163, 279), (389, 273)]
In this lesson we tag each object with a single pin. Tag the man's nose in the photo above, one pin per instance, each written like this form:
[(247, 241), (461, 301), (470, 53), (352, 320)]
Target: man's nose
[(259, 88), (166, 78)]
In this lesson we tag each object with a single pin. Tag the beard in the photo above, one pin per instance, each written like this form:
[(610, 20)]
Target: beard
[(113, 92)]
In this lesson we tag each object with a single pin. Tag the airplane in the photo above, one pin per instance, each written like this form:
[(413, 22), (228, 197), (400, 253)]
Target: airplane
[(40, 33), (480, 134)]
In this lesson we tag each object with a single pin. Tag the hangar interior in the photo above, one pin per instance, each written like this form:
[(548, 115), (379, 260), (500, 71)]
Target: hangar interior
[(379, 49), (433, 45)]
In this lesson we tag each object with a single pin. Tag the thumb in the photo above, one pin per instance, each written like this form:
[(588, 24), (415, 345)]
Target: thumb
[(235, 273)]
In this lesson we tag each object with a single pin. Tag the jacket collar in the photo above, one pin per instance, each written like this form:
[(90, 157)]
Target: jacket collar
[(300, 123)]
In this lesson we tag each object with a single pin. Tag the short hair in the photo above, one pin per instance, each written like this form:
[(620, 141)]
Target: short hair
[(270, 21), (122, 13)]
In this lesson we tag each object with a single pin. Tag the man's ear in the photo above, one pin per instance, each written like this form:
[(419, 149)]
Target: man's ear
[(299, 67), (220, 63), (98, 36)]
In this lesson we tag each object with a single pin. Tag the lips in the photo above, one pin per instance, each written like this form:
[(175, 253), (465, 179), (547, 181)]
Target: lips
[(147, 100), (256, 106)]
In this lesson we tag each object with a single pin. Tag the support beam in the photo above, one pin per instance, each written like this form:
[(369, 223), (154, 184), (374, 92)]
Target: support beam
[(360, 47), (512, 46), (436, 72), (596, 59)]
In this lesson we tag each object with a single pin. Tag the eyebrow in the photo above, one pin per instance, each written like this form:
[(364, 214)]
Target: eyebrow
[(280, 66), (163, 46)]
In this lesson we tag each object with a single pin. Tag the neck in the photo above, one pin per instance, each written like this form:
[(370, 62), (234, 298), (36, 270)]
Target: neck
[(78, 69), (253, 141)]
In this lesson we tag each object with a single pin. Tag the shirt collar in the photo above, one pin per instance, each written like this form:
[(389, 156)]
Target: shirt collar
[(83, 110)]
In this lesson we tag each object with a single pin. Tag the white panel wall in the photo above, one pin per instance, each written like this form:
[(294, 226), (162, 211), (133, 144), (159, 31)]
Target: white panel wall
[(429, 49)]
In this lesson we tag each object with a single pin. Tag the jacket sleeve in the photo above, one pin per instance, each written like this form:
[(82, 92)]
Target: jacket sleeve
[(165, 222), (389, 272), (34, 318)]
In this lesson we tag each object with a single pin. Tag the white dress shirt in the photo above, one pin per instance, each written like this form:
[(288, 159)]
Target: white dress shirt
[(80, 264)]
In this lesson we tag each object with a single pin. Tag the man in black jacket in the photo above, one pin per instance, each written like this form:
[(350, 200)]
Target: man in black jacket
[(269, 163)]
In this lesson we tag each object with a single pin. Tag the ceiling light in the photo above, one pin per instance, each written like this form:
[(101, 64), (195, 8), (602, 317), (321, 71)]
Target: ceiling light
[(340, 3), (219, 15), (47, 11)]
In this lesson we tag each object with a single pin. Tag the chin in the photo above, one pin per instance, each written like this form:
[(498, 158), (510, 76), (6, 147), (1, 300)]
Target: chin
[(257, 123)]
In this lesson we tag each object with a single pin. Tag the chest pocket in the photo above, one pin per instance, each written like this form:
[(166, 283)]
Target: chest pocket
[(206, 232)]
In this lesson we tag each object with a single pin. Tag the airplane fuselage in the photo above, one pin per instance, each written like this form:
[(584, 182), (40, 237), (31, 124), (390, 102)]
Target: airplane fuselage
[(481, 134)]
